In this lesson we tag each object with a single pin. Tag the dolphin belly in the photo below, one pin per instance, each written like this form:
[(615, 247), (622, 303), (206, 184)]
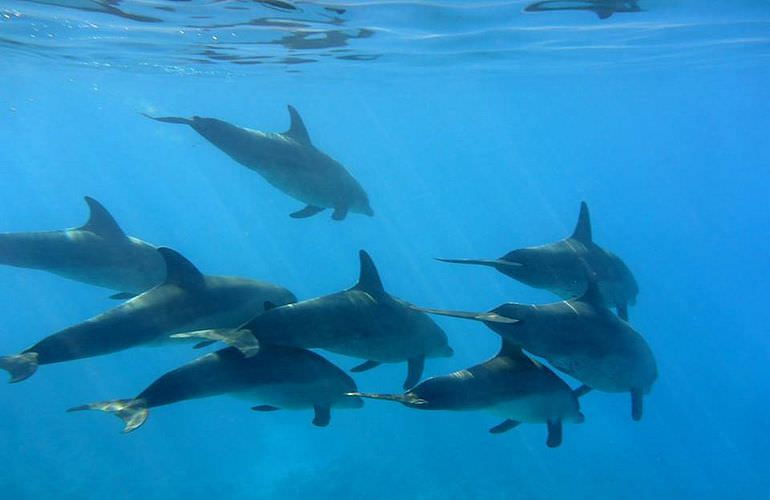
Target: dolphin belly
[(536, 408), (297, 396), (312, 185)]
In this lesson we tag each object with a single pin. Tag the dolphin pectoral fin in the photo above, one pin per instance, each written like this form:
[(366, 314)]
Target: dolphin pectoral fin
[(582, 391), (133, 412), (504, 426), (19, 366), (490, 317), (366, 365), (203, 343), (623, 311), (415, 366), (308, 211), (243, 340), (323, 415), (340, 213), (554, 433), (265, 408), (123, 296), (169, 119), (637, 404)]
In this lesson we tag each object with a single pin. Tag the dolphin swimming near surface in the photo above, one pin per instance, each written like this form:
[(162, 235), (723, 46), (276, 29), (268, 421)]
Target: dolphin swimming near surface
[(281, 377), (363, 322), (103, 6), (289, 161), (580, 337), (560, 267), (602, 8), (186, 300), (98, 253), (510, 384)]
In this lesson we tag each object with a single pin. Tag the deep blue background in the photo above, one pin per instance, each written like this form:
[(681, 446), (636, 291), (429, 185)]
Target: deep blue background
[(674, 165)]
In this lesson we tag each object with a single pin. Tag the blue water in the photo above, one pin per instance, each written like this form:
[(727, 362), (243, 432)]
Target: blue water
[(483, 140)]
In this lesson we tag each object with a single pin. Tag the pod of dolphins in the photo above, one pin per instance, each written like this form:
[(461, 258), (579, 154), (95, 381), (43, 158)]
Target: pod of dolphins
[(268, 333)]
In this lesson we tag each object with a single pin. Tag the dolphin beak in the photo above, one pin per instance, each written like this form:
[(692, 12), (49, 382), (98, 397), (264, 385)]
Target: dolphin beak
[(489, 317), (496, 263)]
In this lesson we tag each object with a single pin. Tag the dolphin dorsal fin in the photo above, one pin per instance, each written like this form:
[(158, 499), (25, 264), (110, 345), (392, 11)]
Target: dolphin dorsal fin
[(592, 294), (100, 221), (515, 355), (297, 130), (369, 278), (582, 231), (179, 270), (509, 349)]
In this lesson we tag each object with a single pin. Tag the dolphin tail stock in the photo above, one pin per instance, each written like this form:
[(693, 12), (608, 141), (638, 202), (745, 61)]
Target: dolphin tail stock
[(133, 412), (490, 317), (169, 119), (19, 366), (243, 340), (407, 399)]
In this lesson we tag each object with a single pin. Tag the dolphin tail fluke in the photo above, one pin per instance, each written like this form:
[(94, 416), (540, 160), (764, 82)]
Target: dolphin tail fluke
[(169, 119), (490, 317), (243, 340), (19, 366), (407, 399), (133, 412)]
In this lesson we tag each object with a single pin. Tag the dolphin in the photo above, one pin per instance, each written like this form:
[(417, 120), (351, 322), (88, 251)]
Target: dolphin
[(560, 267), (363, 322), (98, 253), (282, 377), (580, 337), (289, 161), (186, 300), (510, 384), (602, 8), (103, 6)]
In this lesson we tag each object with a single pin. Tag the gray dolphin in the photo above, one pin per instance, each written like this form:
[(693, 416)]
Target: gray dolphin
[(363, 322), (288, 161), (98, 253), (580, 337), (186, 300), (510, 384), (602, 8), (104, 6), (560, 267), (282, 377)]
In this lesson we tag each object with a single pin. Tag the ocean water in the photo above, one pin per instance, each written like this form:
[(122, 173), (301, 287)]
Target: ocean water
[(475, 128)]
